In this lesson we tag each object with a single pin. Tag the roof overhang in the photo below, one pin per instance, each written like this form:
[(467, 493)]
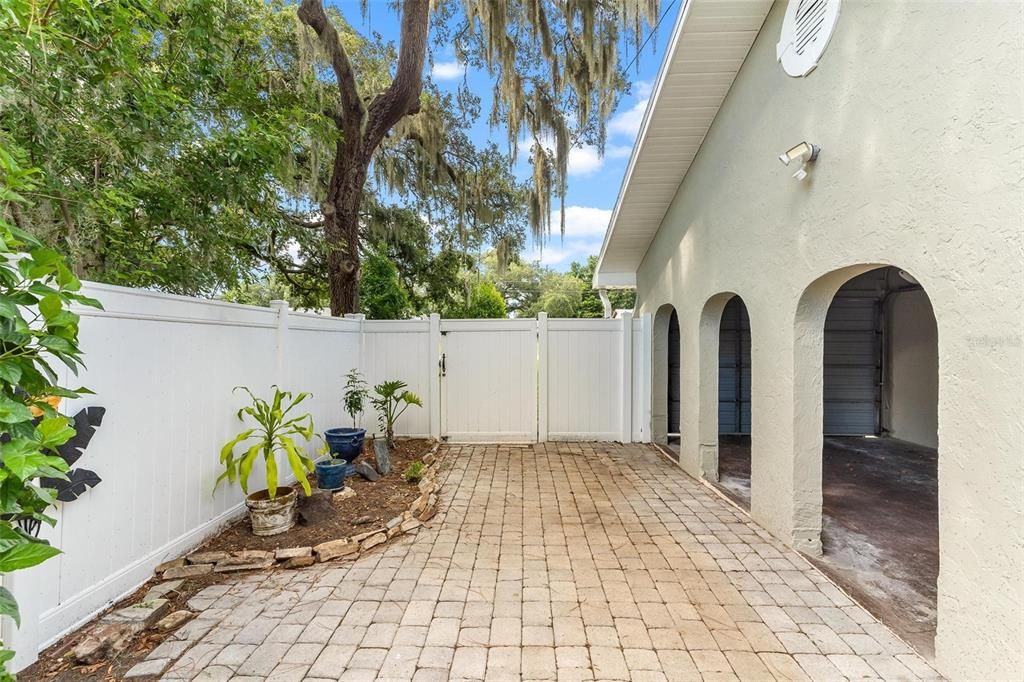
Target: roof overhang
[(709, 43)]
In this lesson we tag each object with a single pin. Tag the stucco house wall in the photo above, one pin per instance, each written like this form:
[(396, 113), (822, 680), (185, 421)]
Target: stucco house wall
[(916, 107), (912, 403)]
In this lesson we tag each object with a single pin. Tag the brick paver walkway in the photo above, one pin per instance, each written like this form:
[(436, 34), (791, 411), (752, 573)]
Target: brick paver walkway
[(557, 561)]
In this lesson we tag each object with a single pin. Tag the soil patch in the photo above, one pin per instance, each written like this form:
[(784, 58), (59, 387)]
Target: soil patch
[(379, 501), (57, 664)]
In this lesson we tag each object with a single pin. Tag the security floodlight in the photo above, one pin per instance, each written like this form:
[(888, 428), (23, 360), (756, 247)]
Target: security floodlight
[(805, 153)]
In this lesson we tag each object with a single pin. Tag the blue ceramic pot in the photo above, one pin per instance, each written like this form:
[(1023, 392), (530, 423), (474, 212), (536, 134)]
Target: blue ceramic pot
[(345, 443), (330, 474)]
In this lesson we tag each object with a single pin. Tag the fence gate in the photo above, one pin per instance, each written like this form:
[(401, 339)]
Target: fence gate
[(489, 380)]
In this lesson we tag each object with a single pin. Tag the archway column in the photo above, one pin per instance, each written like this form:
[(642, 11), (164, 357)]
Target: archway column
[(707, 416), (785, 470), (805, 418), (805, 411)]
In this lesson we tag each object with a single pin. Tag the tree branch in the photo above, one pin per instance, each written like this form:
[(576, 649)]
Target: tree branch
[(311, 13), (280, 265), (439, 159), (16, 216), (403, 95), (299, 222)]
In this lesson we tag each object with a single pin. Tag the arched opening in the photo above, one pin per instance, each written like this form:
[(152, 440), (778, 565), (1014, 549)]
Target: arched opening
[(734, 402), (674, 399), (666, 401), (879, 449)]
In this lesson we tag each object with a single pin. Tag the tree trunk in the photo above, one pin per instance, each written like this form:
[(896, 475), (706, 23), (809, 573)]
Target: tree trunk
[(341, 229), (361, 130)]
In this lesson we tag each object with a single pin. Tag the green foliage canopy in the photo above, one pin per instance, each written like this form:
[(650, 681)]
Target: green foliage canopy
[(561, 295), (262, 292), (483, 302), (186, 145), (38, 329), (381, 293), (590, 303)]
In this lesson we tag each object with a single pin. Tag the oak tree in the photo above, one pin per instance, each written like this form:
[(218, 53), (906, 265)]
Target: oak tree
[(556, 70)]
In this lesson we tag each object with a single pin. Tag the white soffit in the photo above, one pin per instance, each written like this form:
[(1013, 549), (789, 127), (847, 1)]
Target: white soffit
[(710, 41)]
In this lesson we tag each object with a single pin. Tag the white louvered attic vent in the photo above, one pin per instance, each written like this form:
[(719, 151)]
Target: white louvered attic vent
[(806, 30)]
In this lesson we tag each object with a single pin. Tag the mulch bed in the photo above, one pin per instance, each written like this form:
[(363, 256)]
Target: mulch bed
[(57, 665), (380, 501)]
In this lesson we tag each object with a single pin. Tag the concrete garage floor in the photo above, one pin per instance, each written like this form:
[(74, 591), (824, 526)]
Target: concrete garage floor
[(879, 528), (734, 469)]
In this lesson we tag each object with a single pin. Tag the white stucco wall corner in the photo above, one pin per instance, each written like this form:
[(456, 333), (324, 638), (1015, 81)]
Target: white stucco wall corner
[(920, 169)]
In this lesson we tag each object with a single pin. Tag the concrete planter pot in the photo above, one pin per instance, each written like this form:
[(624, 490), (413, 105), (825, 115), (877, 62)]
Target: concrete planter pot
[(271, 516)]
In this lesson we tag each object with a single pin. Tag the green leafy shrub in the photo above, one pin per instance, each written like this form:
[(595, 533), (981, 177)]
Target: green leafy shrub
[(275, 432), (484, 302), (380, 291), (37, 327), (355, 395), (414, 472), (391, 401)]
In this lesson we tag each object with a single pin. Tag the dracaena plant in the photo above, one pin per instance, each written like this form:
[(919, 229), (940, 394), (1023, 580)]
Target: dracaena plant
[(391, 401), (37, 330), (276, 431)]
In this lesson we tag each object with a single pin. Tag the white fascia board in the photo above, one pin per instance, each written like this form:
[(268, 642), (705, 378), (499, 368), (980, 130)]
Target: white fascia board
[(659, 84), (614, 280)]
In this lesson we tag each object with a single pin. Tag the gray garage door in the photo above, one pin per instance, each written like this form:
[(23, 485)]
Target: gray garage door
[(734, 369), (852, 361), (853, 357)]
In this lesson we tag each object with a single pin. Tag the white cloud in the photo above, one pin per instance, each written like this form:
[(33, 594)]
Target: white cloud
[(447, 71), (618, 151), (551, 256), (627, 123), (558, 254), (584, 232), (582, 221), (643, 89), (584, 160)]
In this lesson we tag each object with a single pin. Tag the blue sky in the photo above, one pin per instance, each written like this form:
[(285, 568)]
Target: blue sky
[(593, 180)]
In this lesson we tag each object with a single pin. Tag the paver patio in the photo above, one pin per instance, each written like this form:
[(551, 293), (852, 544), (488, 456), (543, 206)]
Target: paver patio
[(554, 561)]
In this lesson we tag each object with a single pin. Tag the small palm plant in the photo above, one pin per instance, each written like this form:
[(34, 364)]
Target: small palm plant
[(391, 401), (275, 432)]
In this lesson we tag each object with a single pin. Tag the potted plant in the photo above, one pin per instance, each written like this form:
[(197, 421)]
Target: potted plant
[(391, 401), (271, 511), (347, 443)]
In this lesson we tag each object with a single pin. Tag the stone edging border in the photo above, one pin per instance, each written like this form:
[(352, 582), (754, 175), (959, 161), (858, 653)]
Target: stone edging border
[(114, 632), (422, 509)]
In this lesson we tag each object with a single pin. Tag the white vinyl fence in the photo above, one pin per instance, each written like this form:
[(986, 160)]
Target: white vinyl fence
[(164, 368)]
